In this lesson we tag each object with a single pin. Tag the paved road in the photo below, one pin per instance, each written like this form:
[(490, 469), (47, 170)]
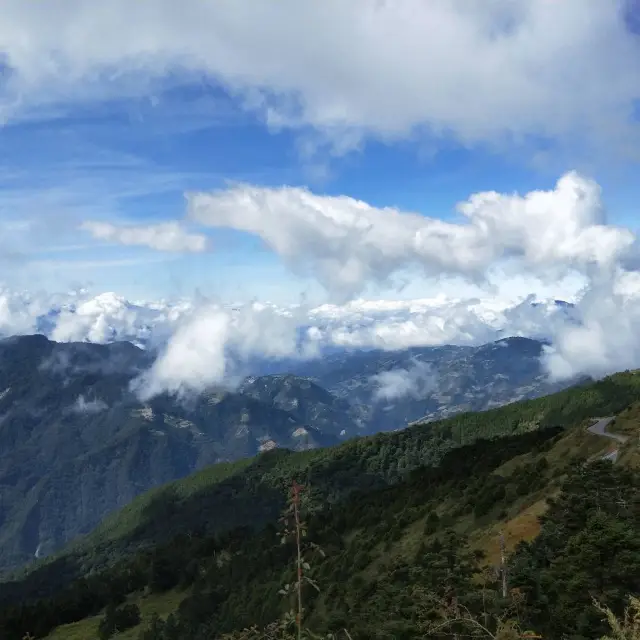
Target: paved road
[(598, 429)]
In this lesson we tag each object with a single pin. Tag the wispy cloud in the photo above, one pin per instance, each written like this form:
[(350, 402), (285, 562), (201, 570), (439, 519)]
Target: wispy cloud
[(79, 265), (415, 381), (46, 210), (167, 236), (69, 248)]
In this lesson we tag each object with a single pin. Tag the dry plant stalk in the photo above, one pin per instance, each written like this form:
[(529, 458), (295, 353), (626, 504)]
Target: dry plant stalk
[(452, 615), (291, 626), (626, 629)]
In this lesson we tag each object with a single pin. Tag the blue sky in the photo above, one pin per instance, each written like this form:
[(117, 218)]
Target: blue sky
[(96, 135)]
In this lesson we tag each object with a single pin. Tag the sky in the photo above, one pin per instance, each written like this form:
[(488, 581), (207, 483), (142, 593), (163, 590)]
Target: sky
[(317, 153)]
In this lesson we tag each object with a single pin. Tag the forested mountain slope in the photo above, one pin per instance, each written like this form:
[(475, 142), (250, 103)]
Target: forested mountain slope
[(406, 520), (77, 444), (250, 493), (402, 386)]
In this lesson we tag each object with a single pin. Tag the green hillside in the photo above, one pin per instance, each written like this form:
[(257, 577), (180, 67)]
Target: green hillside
[(250, 492), (76, 443), (408, 522)]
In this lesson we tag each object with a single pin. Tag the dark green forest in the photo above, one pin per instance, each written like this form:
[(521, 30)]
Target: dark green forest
[(388, 545)]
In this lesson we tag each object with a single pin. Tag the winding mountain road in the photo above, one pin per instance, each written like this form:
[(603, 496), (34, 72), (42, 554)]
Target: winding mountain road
[(598, 429)]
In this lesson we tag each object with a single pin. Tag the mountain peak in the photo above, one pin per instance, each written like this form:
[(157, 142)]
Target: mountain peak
[(32, 339)]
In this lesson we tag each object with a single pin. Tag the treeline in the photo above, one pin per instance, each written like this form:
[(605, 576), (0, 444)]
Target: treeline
[(217, 541), (589, 547), (253, 496)]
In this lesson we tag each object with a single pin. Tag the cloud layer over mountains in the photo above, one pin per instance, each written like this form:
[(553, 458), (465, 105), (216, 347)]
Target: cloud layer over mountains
[(496, 74), (206, 343), (348, 245), (382, 324)]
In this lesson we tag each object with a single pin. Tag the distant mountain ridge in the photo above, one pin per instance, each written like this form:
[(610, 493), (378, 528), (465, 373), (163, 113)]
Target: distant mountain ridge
[(460, 378), (76, 443)]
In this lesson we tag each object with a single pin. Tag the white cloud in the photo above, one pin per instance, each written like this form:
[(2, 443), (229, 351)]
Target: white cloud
[(210, 345), (165, 236), (109, 317), (18, 312), (84, 406), (386, 324), (605, 337), (496, 71), (499, 72), (416, 381), (347, 243), (203, 344), (432, 323)]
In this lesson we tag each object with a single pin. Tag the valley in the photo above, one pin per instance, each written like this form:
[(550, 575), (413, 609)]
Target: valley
[(200, 555), (319, 320), (76, 443)]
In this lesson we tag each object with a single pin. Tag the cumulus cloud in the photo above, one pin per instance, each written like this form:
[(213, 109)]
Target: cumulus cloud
[(18, 312), (604, 337), (108, 317), (384, 324), (166, 236), (347, 243), (501, 70), (416, 381), (80, 316), (204, 344), (433, 322), (210, 346)]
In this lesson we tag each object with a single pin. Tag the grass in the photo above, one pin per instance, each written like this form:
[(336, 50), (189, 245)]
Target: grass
[(82, 630), (627, 422), (524, 526), (161, 604), (521, 522)]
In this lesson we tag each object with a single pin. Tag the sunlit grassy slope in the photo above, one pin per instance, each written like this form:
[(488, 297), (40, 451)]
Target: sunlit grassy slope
[(161, 604)]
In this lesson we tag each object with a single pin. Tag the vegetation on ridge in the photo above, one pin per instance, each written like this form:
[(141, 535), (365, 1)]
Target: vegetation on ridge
[(221, 500), (405, 532)]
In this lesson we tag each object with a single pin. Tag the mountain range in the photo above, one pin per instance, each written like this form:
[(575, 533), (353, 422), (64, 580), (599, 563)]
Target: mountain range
[(430, 383), (76, 443), (527, 496)]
